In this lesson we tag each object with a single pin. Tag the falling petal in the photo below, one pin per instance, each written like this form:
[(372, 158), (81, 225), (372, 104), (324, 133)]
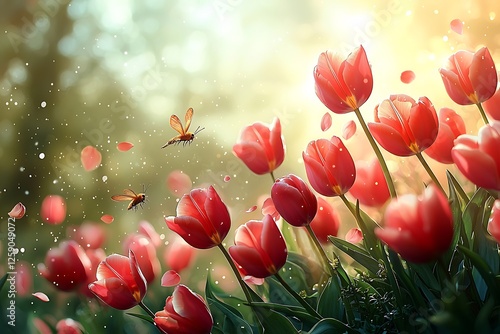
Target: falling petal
[(91, 158), (108, 219), (53, 210), (268, 208), (227, 178), (354, 235), (42, 296), (407, 76), (326, 121), (457, 26), (252, 209), (124, 146), (17, 211), (348, 130), (170, 278), (179, 183)]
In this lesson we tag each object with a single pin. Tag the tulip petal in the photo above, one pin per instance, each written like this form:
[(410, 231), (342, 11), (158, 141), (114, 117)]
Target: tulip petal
[(457, 26), (389, 139), (170, 278), (91, 158), (124, 146), (42, 296)]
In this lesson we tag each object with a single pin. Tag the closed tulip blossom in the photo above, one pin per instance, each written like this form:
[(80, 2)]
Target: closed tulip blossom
[(451, 125), (66, 266), (260, 147), (185, 312), (326, 222), (404, 126), (329, 166), (260, 248), (370, 186), (343, 85), (478, 157), (294, 200), (202, 218), (494, 222), (470, 77), (120, 283), (419, 228)]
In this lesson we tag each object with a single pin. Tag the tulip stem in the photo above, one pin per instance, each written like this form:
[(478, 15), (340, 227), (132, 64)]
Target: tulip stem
[(429, 171), (295, 295), (380, 157), (244, 287), (483, 114), (272, 176), (321, 251), (145, 308)]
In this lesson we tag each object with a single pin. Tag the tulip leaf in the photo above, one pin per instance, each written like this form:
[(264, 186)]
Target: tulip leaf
[(311, 270), (274, 322), (295, 312), (367, 226), (473, 213), (278, 294), (457, 216), (330, 302), (357, 253), (453, 185), (142, 317), (484, 270), (330, 325)]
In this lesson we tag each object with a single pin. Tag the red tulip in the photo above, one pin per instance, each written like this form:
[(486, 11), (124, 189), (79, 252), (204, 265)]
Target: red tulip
[(202, 218), (261, 147), (329, 166), (185, 312), (88, 235), (370, 187), (259, 248), (69, 326), (18, 211), (294, 200), (419, 228), (145, 253), (343, 85), (326, 222), (66, 266), (451, 125), (494, 222), (478, 158), (53, 209), (470, 78), (120, 283), (404, 126), (178, 255)]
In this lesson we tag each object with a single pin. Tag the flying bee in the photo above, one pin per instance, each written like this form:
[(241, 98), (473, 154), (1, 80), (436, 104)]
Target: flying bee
[(184, 136), (130, 195)]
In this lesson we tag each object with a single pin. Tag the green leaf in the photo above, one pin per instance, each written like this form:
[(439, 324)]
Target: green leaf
[(142, 316), (330, 302), (278, 294), (311, 270), (483, 269), (329, 325), (274, 322), (296, 312), (473, 212), (367, 225), (3, 280), (357, 253)]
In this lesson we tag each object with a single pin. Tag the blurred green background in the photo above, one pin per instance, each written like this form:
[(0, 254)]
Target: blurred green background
[(74, 73)]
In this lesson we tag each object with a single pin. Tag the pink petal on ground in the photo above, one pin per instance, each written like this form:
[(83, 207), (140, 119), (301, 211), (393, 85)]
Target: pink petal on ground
[(17, 211), (170, 278), (326, 121), (457, 26), (227, 178), (407, 76), (349, 129), (354, 235), (42, 296), (124, 146), (108, 219), (252, 209), (179, 183), (91, 158)]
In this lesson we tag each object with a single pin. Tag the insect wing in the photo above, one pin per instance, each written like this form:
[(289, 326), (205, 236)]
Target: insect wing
[(121, 198), (175, 123), (188, 118), (129, 192)]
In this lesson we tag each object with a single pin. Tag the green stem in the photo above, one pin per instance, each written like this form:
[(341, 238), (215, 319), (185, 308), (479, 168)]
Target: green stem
[(321, 251), (429, 171), (380, 157), (295, 295), (272, 176), (483, 114), (244, 287), (145, 308)]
